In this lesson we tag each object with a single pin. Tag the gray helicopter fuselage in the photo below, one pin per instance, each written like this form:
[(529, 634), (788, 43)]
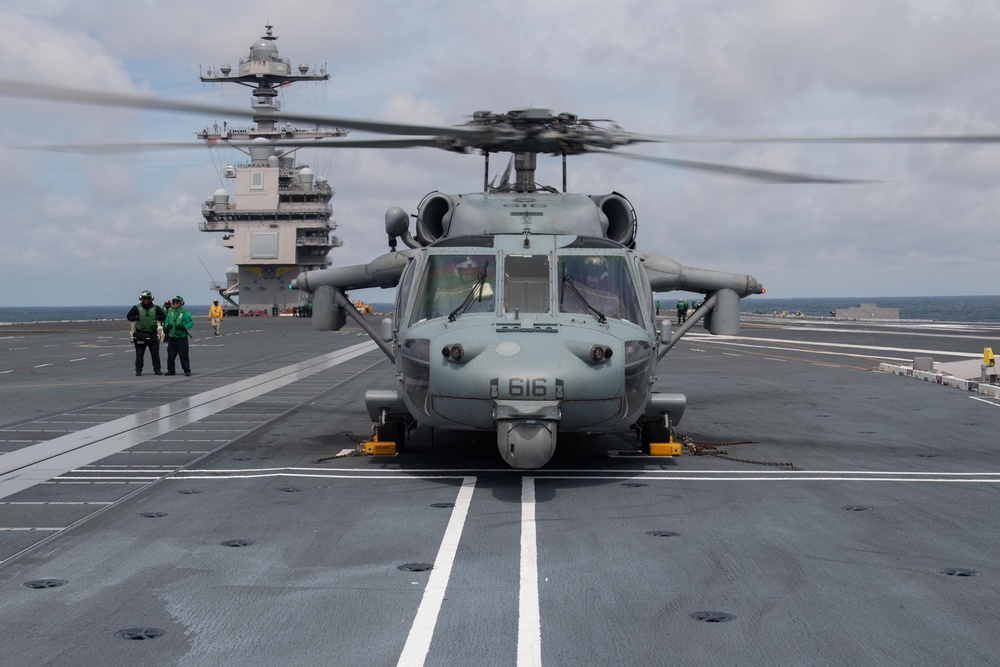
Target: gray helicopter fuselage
[(526, 314), (527, 344)]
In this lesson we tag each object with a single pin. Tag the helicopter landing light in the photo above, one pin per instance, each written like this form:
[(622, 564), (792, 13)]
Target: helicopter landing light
[(454, 352), (599, 353)]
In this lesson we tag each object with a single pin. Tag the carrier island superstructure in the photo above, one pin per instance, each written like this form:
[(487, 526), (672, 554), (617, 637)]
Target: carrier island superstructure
[(275, 214)]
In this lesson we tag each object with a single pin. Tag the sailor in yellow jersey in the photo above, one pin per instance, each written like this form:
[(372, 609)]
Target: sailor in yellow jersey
[(215, 316)]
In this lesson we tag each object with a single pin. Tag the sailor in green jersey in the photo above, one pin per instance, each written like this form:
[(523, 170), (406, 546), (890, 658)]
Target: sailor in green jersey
[(176, 326)]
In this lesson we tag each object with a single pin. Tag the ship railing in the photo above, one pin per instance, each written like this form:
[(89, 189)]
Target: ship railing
[(215, 226), (247, 59), (312, 241)]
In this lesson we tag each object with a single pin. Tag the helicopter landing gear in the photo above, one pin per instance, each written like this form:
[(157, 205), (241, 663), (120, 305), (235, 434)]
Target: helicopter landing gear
[(390, 429), (657, 437)]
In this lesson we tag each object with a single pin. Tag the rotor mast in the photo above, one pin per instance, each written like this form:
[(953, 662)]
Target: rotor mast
[(524, 172)]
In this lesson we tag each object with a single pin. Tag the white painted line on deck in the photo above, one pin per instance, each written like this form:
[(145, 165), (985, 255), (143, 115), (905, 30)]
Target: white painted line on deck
[(983, 400), (54, 502), (529, 623), (418, 642), (39, 463)]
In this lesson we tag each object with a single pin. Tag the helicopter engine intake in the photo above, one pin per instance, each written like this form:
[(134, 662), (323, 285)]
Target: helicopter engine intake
[(434, 217), (621, 219)]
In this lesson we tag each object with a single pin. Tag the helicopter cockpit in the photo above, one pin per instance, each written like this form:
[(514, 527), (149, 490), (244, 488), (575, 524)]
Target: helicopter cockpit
[(452, 285), (598, 284)]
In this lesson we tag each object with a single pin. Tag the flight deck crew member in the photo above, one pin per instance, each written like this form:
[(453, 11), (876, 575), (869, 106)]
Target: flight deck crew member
[(215, 316), (176, 326), (682, 311), (146, 316)]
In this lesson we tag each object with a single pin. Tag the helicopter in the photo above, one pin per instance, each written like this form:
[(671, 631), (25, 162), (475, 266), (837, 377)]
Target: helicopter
[(522, 309)]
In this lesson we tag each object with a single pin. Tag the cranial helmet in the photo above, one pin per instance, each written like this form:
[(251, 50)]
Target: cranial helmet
[(595, 266), (145, 294), (179, 300)]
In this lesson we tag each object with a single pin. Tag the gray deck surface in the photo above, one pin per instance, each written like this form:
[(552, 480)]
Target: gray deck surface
[(841, 560)]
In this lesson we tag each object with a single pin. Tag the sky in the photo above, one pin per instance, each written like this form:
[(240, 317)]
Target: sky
[(96, 230)]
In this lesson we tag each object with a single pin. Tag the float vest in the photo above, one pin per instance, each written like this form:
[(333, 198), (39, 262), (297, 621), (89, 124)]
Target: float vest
[(147, 318)]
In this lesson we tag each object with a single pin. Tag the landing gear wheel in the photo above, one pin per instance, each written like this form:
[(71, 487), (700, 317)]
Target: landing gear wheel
[(393, 430), (654, 431)]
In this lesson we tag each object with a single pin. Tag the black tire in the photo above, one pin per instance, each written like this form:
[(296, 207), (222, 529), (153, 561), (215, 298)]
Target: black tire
[(654, 431), (392, 431)]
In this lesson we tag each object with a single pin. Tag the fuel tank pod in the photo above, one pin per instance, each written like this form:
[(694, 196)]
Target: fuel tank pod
[(724, 317)]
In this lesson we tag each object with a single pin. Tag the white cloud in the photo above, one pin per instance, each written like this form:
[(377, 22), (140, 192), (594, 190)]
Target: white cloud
[(772, 67)]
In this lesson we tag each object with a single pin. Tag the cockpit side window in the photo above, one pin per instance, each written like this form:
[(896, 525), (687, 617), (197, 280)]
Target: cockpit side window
[(598, 282), (526, 284), (647, 290), (403, 293), (449, 281)]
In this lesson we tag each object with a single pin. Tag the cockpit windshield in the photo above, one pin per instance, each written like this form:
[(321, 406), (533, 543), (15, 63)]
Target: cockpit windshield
[(526, 284), (456, 284), (597, 284)]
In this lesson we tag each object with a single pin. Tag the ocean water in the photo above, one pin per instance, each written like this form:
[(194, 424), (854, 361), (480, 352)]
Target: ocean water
[(18, 315), (933, 308)]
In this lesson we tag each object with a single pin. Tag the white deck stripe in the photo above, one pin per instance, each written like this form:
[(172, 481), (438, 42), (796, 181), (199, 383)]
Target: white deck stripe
[(32, 465), (529, 623), (418, 642)]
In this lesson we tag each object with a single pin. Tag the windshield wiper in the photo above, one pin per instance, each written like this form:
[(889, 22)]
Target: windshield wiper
[(568, 282), (471, 297)]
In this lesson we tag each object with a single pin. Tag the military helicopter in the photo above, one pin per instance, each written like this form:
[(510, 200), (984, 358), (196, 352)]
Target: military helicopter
[(521, 309)]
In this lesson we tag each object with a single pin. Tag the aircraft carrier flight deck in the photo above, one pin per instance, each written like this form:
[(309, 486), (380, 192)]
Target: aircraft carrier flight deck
[(822, 512)]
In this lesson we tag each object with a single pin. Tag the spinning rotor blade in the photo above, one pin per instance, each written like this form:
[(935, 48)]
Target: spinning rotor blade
[(902, 139), (36, 91), (114, 149), (415, 142), (750, 173), (525, 130)]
